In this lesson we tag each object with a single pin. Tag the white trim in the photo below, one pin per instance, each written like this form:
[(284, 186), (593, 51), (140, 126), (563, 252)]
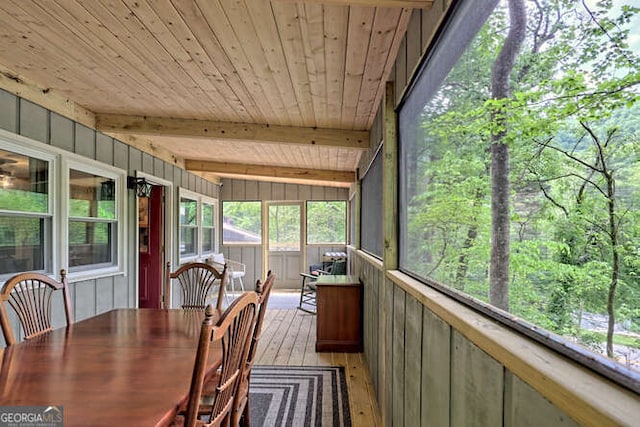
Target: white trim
[(199, 199), (59, 163)]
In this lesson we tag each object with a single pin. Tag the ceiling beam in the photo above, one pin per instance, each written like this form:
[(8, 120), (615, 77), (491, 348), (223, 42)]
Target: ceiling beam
[(163, 126), (414, 4), (270, 171)]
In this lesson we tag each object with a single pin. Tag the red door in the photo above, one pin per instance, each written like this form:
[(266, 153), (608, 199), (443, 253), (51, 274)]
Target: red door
[(150, 228)]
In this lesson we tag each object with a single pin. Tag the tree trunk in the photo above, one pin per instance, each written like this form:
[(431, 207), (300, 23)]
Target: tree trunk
[(615, 264), (500, 211)]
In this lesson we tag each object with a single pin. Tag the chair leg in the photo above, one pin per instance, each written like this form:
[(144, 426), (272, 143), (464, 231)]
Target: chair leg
[(241, 284), (245, 420)]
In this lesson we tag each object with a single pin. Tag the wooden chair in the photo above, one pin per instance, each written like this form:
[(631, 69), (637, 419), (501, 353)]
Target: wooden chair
[(308, 287), (232, 333), (29, 294), (240, 413), (196, 281)]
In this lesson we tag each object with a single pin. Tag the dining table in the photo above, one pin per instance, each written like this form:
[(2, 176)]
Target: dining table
[(125, 367)]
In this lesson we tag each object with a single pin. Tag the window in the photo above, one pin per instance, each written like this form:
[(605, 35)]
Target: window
[(208, 228), (284, 227), (51, 196), (198, 216), (569, 213), (93, 225), (25, 213), (371, 208), (242, 222), (188, 227), (326, 222)]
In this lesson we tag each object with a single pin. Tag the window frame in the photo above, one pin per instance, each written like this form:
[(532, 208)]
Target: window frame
[(262, 224), (562, 345), (25, 147), (60, 161), (200, 200), (118, 265)]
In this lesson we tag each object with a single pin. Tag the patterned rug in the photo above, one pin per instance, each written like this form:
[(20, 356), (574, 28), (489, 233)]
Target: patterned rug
[(299, 396)]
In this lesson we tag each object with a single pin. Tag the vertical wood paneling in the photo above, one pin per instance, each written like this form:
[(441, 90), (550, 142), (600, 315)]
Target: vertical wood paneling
[(398, 367), (61, 132), (412, 361), (34, 122), (524, 407), (414, 42), (147, 163), (104, 294), (8, 111), (252, 190), (387, 353), (431, 18), (85, 141), (135, 159), (401, 71), (85, 299), (104, 149), (436, 366), (477, 383), (121, 155)]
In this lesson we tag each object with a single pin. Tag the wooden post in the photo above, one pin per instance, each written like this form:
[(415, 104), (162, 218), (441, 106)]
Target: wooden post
[(390, 181)]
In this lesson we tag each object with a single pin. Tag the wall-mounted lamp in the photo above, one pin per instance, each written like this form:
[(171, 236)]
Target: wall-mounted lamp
[(141, 185)]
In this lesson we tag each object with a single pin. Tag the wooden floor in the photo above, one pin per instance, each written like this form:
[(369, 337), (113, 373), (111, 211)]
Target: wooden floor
[(288, 338)]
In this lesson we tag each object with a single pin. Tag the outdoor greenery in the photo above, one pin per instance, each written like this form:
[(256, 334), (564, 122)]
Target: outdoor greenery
[(326, 222), (565, 131)]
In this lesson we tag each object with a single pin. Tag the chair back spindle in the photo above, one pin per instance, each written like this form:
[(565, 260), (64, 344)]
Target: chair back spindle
[(232, 331), (30, 296), (196, 281)]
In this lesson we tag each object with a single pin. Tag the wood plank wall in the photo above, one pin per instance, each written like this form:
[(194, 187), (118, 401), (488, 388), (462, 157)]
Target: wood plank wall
[(428, 371), (25, 118)]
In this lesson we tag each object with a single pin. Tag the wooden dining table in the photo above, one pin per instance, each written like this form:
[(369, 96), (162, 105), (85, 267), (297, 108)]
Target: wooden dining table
[(125, 367)]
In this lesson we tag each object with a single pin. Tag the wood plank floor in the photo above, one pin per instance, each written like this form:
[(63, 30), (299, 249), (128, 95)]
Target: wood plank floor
[(288, 338)]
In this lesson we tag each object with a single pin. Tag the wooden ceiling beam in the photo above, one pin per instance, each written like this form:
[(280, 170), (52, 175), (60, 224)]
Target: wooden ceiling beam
[(163, 126), (414, 4), (269, 171)]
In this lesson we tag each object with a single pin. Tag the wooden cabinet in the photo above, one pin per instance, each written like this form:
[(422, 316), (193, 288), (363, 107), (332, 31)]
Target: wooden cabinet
[(339, 314)]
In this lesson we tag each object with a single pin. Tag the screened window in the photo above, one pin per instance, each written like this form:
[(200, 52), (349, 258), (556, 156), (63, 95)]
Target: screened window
[(547, 170), (25, 213), (326, 222), (242, 222), (371, 208), (284, 227), (92, 220)]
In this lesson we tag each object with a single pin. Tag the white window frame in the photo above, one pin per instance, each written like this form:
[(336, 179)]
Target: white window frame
[(119, 177), (24, 146), (60, 161), (200, 199)]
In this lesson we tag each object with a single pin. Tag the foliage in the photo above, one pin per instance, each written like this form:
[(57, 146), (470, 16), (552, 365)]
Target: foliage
[(572, 126)]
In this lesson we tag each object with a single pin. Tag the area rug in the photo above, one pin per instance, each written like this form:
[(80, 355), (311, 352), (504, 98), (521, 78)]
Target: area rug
[(299, 396)]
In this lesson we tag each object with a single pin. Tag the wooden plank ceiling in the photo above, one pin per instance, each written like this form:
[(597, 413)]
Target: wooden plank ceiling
[(278, 90)]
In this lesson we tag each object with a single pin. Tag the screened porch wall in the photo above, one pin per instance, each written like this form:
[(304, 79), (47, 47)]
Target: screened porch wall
[(435, 362), (248, 190), (25, 118)]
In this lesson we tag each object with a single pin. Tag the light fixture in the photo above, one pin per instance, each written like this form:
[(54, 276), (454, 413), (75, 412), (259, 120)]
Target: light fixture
[(6, 179), (141, 185)]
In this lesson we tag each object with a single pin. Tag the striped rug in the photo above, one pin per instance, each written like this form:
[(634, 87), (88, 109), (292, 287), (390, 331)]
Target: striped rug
[(299, 396)]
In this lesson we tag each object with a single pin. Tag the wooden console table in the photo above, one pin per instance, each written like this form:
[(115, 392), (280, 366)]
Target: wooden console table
[(339, 314)]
